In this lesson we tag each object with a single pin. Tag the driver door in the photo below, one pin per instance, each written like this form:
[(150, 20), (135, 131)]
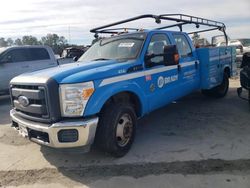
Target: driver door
[(13, 63), (160, 80)]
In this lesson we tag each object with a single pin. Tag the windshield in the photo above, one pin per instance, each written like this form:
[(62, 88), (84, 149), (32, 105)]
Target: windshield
[(2, 49), (122, 47), (245, 42)]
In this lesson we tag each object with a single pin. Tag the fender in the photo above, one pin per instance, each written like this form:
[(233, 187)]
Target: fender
[(225, 67), (102, 94)]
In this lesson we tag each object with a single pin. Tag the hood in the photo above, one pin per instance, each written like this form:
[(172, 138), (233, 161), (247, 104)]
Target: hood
[(81, 72)]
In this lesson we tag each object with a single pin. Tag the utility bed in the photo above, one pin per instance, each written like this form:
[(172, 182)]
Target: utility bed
[(213, 62)]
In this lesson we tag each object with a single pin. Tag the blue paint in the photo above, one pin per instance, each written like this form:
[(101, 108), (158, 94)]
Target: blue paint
[(204, 72)]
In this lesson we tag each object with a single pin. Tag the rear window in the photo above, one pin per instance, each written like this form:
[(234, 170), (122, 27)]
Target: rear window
[(182, 45), (38, 54)]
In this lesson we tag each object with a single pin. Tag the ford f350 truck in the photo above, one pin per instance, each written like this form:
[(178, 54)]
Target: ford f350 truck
[(118, 80)]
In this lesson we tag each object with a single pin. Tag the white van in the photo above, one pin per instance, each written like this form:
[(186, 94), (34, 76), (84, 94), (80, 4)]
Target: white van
[(20, 59)]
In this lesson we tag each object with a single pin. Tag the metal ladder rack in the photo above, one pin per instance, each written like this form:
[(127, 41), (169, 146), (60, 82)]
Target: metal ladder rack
[(178, 19)]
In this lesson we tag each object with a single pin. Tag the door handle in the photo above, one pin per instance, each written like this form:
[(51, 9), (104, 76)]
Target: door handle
[(179, 68), (25, 66), (196, 65)]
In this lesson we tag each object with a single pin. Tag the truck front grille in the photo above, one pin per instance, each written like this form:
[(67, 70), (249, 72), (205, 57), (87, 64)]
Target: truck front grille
[(36, 102)]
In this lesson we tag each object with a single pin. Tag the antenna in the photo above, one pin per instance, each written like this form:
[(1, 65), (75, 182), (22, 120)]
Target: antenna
[(69, 34)]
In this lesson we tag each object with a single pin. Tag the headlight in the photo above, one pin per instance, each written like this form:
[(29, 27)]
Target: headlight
[(74, 97)]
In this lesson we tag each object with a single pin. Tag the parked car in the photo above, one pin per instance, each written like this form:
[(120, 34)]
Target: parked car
[(219, 40), (201, 42), (245, 44), (242, 46), (70, 55), (239, 50), (21, 59), (245, 77)]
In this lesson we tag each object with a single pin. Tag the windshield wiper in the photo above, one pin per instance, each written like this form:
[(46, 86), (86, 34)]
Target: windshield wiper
[(100, 59)]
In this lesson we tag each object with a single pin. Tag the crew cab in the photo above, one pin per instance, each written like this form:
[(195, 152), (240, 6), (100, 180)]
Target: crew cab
[(118, 80), (16, 60)]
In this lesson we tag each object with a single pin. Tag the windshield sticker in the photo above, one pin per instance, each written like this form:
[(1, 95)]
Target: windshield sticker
[(127, 44)]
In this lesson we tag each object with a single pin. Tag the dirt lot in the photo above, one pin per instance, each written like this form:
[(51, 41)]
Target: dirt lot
[(194, 142)]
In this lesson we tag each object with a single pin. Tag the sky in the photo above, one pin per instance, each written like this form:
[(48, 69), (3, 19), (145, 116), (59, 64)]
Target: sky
[(74, 18)]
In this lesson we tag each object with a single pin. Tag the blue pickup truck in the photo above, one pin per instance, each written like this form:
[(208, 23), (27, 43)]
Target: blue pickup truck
[(118, 80)]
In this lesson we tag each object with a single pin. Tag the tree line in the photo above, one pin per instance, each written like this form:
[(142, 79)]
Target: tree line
[(57, 43)]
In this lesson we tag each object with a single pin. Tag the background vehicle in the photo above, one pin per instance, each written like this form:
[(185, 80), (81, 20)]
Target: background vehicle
[(245, 45), (245, 77), (21, 59), (219, 40), (69, 54), (239, 51), (201, 42), (242, 46), (119, 79)]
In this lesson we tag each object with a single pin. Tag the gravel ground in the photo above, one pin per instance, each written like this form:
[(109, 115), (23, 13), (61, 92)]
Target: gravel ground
[(194, 142)]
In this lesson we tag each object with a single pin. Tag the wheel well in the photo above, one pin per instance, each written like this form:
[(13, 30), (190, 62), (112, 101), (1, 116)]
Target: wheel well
[(227, 71), (125, 97)]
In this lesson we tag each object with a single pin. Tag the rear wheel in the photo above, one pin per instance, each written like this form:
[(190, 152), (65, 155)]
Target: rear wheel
[(116, 129), (220, 90)]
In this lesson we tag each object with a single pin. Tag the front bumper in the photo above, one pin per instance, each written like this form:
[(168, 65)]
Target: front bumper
[(47, 134)]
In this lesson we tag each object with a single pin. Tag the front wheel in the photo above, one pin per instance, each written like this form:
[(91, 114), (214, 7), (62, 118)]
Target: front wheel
[(116, 129), (220, 90)]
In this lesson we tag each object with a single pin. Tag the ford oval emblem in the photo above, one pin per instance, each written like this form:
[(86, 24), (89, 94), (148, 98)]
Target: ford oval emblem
[(24, 101)]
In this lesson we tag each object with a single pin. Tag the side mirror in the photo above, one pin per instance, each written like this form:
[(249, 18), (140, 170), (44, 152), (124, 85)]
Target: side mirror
[(171, 56), (75, 58)]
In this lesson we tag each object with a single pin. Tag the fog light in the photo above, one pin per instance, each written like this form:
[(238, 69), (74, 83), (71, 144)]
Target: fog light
[(67, 135)]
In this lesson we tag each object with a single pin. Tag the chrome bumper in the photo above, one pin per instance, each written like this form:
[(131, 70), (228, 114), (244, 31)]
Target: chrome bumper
[(86, 131)]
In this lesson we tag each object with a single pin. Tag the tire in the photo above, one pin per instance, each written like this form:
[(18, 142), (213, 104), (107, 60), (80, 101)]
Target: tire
[(220, 90), (249, 97), (116, 129)]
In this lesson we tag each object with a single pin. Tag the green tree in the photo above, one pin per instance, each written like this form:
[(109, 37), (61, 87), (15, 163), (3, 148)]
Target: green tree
[(10, 42), (3, 42), (30, 40), (57, 43), (18, 42)]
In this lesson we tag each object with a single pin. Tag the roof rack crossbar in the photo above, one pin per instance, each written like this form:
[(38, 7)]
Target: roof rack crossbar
[(117, 30), (174, 25), (202, 31), (99, 29), (191, 18)]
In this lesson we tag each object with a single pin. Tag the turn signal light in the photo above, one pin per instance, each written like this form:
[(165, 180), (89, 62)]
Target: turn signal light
[(87, 93), (176, 58)]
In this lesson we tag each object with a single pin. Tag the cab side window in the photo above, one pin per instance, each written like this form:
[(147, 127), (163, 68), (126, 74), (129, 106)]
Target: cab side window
[(16, 55), (156, 47), (183, 46), (38, 54)]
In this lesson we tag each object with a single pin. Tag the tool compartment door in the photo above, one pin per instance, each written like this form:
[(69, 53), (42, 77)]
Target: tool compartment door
[(212, 62)]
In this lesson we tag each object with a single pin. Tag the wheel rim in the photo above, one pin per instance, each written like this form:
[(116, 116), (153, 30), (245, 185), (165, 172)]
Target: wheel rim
[(124, 130)]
